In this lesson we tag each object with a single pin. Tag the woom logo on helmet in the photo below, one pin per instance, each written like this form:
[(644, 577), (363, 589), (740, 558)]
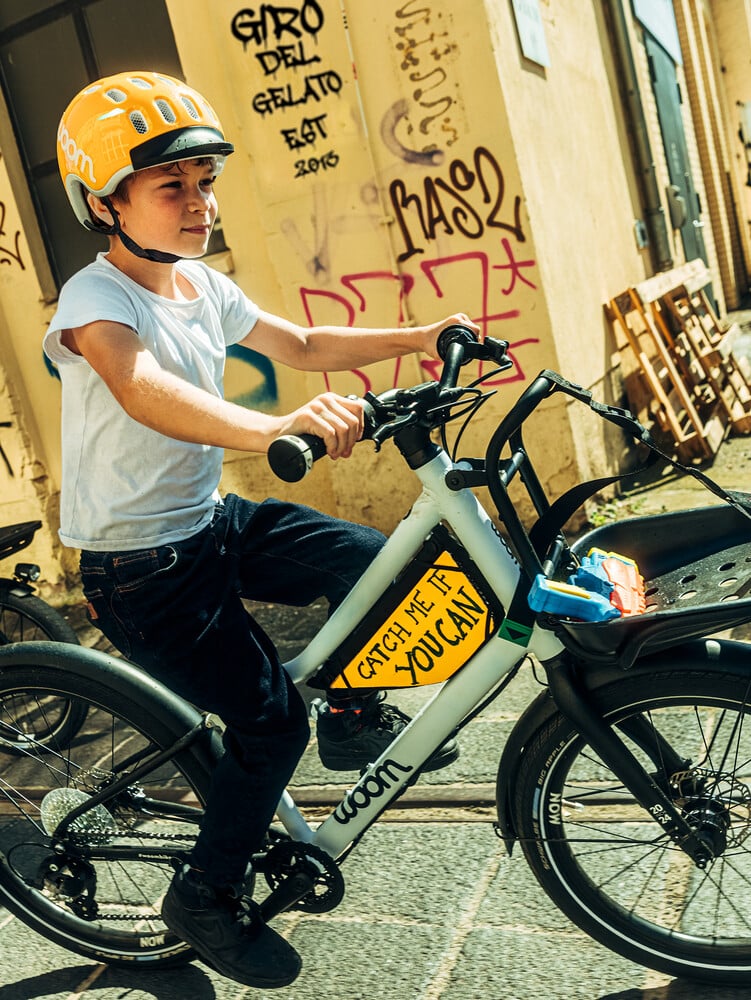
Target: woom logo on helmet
[(79, 161)]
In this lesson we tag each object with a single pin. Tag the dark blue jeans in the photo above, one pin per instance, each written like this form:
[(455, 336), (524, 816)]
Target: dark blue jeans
[(176, 611)]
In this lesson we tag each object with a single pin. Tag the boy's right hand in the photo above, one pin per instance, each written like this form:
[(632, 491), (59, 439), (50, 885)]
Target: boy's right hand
[(338, 420)]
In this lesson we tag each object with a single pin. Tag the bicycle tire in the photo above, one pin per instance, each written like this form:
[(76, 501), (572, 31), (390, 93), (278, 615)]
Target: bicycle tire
[(26, 618), (107, 910), (607, 864)]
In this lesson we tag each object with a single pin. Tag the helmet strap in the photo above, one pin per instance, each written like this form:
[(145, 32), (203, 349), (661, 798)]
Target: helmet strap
[(157, 256)]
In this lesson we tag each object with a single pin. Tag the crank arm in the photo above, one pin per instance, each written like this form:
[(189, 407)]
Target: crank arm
[(287, 893)]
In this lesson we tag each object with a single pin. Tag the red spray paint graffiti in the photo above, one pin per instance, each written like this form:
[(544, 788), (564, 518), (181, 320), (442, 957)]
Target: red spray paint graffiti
[(349, 304)]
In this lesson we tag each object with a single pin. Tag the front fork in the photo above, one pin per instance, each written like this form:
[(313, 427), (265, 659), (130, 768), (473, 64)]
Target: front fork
[(573, 701)]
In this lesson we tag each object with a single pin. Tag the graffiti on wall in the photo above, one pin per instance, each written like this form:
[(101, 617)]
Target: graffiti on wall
[(417, 128), (282, 40), (487, 302), (455, 221), (10, 252), (469, 200)]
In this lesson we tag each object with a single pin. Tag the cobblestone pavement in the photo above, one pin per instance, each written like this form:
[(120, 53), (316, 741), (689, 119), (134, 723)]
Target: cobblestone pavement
[(434, 908)]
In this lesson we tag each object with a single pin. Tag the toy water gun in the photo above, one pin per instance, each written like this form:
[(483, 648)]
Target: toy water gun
[(606, 585)]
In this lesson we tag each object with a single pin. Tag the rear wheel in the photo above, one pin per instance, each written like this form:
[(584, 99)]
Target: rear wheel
[(97, 888), (608, 865), (25, 618)]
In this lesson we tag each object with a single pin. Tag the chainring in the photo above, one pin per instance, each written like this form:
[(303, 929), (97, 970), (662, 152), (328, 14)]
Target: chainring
[(288, 857)]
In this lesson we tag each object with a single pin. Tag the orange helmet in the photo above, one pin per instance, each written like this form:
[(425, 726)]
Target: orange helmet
[(128, 122)]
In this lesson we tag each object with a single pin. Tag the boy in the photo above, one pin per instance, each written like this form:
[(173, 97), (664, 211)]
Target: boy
[(140, 338)]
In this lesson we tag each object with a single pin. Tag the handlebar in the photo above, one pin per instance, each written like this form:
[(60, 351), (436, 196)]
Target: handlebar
[(291, 457)]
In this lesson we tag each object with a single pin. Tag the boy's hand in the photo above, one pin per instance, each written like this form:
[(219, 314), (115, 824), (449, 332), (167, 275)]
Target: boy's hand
[(338, 420), (432, 331)]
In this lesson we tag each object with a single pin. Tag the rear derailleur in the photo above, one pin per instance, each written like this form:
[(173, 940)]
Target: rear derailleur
[(73, 881)]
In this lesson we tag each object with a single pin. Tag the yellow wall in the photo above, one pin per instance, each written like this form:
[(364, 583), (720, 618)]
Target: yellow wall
[(408, 206), (729, 24), (446, 172), (29, 399)]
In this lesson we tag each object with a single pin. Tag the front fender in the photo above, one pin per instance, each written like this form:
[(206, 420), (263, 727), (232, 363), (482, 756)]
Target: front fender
[(721, 655)]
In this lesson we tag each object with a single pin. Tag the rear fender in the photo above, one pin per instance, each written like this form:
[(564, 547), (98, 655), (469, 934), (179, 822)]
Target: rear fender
[(177, 715)]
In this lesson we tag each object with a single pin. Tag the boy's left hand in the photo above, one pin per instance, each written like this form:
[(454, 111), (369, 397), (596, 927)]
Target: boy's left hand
[(434, 329)]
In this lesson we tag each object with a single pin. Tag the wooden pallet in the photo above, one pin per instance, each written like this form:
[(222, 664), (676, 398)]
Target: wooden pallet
[(655, 388), (678, 363)]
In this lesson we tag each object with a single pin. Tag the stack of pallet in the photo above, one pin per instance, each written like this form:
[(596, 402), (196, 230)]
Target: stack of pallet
[(678, 364)]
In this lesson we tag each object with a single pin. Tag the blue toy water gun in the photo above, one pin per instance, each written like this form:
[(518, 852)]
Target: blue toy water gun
[(606, 585)]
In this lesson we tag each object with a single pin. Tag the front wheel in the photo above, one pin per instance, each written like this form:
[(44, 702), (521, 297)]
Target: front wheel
[(605, 862)]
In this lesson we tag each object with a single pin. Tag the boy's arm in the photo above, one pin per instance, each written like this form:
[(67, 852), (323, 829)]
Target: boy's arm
[(339, 348), (167, 403)]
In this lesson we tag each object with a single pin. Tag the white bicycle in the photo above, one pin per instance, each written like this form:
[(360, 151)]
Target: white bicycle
[(626, 782)]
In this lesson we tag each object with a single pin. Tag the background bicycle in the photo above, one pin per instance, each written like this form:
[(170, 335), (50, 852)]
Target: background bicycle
[(24, 617)]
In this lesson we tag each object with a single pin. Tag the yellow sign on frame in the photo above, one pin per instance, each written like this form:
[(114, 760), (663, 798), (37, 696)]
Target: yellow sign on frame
[(437, 627)]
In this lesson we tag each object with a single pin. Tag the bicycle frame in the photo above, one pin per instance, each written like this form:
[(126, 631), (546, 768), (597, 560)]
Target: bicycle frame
[(386, 777), (445, 498)]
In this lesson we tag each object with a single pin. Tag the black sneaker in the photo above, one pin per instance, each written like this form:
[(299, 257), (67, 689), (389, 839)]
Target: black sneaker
[(228, 933), (349, 741)]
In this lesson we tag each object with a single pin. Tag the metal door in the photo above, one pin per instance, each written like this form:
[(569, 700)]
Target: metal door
[(683, 200)]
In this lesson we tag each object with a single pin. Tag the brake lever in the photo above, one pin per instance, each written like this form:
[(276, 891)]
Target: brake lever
[(388, 430), (490, 349)]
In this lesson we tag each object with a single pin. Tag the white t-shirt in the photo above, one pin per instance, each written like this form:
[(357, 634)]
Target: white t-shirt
[(125, 486)]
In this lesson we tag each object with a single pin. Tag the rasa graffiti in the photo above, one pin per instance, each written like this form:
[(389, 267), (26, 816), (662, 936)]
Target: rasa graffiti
[(468, 200)]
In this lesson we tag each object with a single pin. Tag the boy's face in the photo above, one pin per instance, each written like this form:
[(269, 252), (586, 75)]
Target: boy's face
[(170, 208)]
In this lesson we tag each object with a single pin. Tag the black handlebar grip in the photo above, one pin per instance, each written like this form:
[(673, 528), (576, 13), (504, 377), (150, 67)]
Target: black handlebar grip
[(451, 335), (291, 457)]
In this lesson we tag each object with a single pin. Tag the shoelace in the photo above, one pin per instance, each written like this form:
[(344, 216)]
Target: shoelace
[(248, 914), (386, 715)]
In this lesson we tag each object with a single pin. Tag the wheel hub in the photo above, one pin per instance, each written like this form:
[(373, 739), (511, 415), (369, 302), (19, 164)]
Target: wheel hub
[(717, 806)]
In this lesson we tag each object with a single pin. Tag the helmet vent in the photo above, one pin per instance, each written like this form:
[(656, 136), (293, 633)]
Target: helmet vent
[(166, 111), (138, 81), (190, 107), (118, 96), (139, 122)]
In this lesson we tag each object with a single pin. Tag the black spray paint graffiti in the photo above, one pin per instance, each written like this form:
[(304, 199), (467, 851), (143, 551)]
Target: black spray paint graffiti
[(444, 205), (397, 113), (8, 256), (276, 22), (422, 48), (283, 36)]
